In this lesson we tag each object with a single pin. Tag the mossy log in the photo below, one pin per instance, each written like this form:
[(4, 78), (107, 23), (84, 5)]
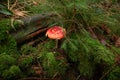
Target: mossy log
[(31, 27)]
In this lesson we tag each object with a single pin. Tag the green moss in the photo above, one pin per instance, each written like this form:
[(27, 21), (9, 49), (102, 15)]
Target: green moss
[(53, 66), (8, 51), (6, 26), (114, 74), (25, 62), (5, 62), (27, 50), (7, 42), (8, 46), (13, 72)]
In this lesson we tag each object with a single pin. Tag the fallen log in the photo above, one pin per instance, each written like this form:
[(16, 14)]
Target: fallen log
[(32, 27)]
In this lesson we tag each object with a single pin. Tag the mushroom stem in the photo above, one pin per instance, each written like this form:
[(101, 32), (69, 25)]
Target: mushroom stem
[(56, 46)]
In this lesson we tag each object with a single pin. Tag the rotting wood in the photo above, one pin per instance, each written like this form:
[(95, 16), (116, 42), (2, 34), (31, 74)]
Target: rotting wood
[(31, 27), (31, 35)]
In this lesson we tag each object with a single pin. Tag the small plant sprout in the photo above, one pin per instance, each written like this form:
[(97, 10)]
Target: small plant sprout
[(57, 33)]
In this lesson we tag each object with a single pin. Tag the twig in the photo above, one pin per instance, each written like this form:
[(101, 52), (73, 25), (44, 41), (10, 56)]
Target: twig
[(15, 3), (78, 77), (8, 4), (12, 23), (55, 75)]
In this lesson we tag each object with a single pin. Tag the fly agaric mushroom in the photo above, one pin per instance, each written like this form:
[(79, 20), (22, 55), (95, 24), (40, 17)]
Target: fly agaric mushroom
[(56, 32)]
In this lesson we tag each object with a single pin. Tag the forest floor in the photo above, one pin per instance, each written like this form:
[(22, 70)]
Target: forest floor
[(90, 49)]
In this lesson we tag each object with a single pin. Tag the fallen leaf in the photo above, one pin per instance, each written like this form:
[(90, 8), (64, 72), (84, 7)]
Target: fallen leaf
[(117, 42)]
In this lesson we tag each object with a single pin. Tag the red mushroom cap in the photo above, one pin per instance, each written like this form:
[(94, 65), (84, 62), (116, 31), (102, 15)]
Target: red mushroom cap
[(56, 32)]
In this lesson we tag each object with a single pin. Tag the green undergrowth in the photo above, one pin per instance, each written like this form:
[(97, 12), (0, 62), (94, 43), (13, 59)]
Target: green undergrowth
[(87, 52), (8, 52), (81, 49), (7, 42), (114, 74), (78, 50), (48, 59)]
